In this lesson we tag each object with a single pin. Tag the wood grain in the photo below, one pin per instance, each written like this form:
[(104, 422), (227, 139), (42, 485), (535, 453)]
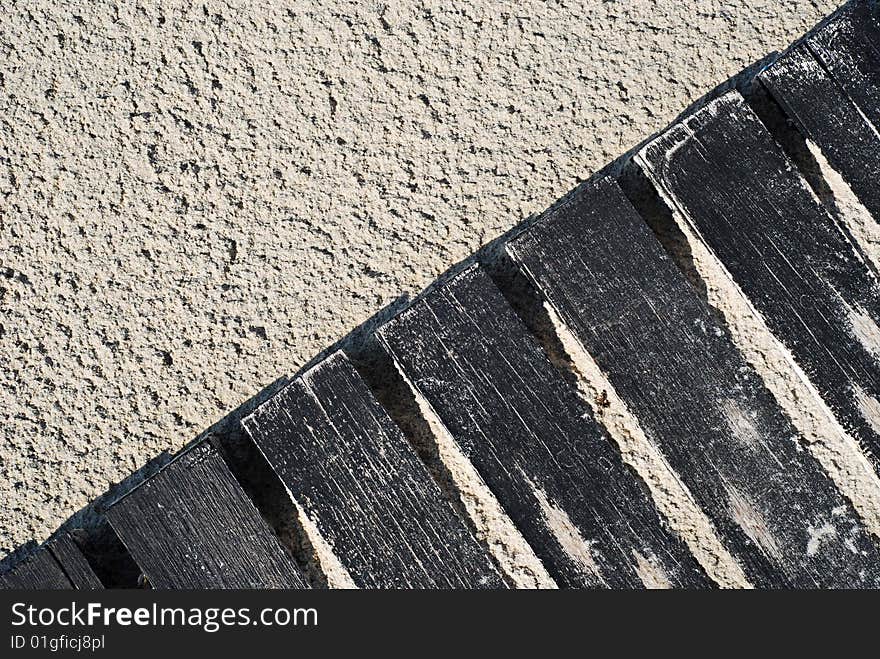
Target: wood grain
[(192, 526), (41, 571), (730, 181), (848, 46), (58, 565), (827, 116), (602, 270), (363, 487), (534, 441), (74, 564)]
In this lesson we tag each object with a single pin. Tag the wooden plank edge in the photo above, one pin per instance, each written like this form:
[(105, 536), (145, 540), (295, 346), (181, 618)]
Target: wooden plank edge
[(845, 206), (486, 517), (73, 562), (673, 499), (838, 451), (323, 556), (209, 445)]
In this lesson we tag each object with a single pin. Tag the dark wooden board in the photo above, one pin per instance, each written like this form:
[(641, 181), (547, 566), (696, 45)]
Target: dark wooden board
[(608, 278), (733, 184), (192, 526), (534, 442), (826, 115), (41, 571), (362, 485), (74, 564), (58, 565), (848, 46)]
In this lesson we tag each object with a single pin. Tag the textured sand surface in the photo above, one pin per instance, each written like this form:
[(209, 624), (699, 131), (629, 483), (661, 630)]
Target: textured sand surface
[(196, 199)]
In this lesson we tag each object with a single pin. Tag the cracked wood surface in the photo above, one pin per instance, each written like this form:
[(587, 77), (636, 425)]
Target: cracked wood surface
[(607, 277), (848, 47), (825, 115), (59, 565), (37, 572), (360, 483), (192, 526), (74, 564), (725, 175), (533, 441)]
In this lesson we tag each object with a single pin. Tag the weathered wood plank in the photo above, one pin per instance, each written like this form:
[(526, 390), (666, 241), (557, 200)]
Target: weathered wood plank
[(192, 526), (58, 565), (41, 571), (848, 46), (609, 280), (825, 115), (363, 487), (74, 564), (534, 441), (730, 181)]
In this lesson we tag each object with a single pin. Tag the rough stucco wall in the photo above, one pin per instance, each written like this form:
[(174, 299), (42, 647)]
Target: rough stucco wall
[(196, 199)]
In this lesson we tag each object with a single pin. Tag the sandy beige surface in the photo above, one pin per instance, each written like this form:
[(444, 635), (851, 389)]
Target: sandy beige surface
[(196, 199)]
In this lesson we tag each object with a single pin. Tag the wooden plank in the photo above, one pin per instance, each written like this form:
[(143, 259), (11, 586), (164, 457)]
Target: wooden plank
[(74, 564), (731, 182), (825, 115), (534, 441), (58, 565), (848, 46), (41, 571), (192, 526), (611, 283), (363, 487)]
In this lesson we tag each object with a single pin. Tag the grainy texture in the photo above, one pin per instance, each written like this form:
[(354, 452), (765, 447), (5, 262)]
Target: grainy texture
[(41, 571), (730, 181), (533, 441), (849, 48), (74, 564), (58, 565), (362, 486), (606, 275), (827, 116), (196, 197), (192, 526)]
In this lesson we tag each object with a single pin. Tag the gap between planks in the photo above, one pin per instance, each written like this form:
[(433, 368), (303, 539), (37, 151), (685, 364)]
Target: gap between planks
[(672, 498), (492, 526), (837, 451)]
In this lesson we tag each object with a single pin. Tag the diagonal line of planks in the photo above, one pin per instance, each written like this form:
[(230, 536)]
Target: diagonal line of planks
[(670, 379)]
